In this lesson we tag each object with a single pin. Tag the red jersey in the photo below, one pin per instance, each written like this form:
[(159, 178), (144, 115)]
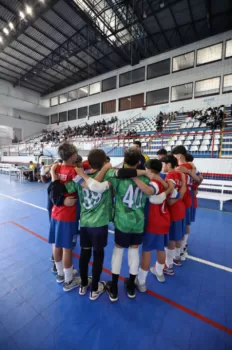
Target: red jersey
[(187, 196), (177, 210), (158, 220), (66, 173)]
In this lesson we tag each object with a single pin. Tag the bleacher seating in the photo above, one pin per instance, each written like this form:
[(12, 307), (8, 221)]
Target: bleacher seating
[(215, 190)]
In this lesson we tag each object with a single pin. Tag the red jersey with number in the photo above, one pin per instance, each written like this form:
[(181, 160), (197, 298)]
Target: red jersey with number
[(187, 196), (158, 221), (66, 173), (177, 210)]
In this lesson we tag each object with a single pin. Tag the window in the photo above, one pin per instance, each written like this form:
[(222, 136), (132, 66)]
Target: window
[(54, 101), (182, 62), (63, 98), (83, 91), (109, 107), (82, 112), (207, 87), (158, 69), (94, 110), (209, 54), (72, 114), (109, 84), (72, 95), (157, 97), (132, 77), (131, 102), (229, 48), (95, 88), (227, 83), (54, 118), (63, 117), (182, 92)]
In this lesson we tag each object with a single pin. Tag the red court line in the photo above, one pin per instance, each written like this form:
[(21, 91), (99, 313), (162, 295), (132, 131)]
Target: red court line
[(150, 292)]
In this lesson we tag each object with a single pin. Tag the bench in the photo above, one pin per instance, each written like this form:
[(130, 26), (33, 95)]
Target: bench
[(207, 186)]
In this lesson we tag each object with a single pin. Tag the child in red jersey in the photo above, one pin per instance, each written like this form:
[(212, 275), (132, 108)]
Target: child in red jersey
[(156, 229), (177, 213), (64, 224), (180, 153)]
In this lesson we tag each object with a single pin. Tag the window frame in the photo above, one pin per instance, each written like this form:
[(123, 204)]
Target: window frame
[(61, 103), (74, 98), (160, 103), (95, 115), (182, 99), (114, 76), (181, 70), (79, 98), (213, 94), (57, 101), (74, 109), (226, 58), (95, 93), (225, 92), (167, 59), (205, 47), (130, 71)]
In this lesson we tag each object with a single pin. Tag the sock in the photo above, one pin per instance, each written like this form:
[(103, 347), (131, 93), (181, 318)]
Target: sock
[(114, 288), (131, 281), (169, 257), (159, 268), (68, 275), (133, 260), (60, 268), (117, 260), (84, 265), (177, 253), (98, 258), (142, 276), (185, 239)]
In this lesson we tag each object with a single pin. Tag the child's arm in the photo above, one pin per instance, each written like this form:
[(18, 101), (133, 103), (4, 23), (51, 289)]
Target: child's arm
[(190, 172), (159, 198), (100, 176), (90, 183), (182, 190), (147, 189), (160, 180)]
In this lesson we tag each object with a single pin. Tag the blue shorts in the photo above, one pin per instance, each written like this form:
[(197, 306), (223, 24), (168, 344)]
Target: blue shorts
[(153, 241), (193, 214), (176, 231), (184, 226), (61, 233), (125, 240), (94, 237), (188, 216)]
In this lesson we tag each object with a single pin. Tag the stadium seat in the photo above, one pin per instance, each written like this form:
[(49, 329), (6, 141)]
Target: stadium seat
[(204, 148), (196, 142), (206, 142)]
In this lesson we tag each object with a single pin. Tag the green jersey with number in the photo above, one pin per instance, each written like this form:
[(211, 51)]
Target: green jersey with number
[(129, 204), (96, 208)]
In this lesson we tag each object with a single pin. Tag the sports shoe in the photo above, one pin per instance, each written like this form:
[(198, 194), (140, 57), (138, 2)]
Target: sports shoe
[(177, 262), (101, 289), (169, 270), (130, 289), (72, 284), (142, 288), (160, 278), (59, 279), (53, 269), (112, 296), (52, 259), (182, 257), (83, 289)]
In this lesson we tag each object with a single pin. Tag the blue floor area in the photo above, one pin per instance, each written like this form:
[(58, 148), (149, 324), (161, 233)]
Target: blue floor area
[(191, 310)]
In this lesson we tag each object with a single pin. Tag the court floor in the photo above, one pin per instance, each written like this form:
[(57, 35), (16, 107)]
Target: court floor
[(191, 310)]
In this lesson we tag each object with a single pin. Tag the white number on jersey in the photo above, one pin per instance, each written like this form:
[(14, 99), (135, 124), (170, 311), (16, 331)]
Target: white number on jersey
[(90, 198), (133, 197)]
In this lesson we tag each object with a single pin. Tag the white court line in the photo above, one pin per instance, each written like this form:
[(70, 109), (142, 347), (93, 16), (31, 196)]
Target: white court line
[(206, 262)]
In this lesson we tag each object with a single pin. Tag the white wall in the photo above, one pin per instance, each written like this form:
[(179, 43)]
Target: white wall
[(186, 76)]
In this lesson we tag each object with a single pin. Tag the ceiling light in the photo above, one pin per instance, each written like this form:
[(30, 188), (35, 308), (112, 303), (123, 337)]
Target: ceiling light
[(6, 31), (29, 10), (21, 14), (1, 39), (11, 25)]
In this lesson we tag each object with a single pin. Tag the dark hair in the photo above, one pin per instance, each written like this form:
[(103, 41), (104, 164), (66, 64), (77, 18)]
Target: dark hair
[(66, 150), (137, 143), (189, 157), (179, 150), (108, 158), (79, 159), (132, 156), (42, 163), (162, 152), (170, 159), (155, 165), (31, 162), (96, 158)]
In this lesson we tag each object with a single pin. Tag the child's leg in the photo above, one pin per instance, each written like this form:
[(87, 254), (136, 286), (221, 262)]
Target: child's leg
[(177, 250), (116, 266), (160, 262), (133, 262), (146, 261), (170, 252), (143, 271), (58, 260), (98, 258), (84, 264)]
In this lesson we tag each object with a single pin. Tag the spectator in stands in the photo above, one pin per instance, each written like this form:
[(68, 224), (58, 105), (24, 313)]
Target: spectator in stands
[(45, 175), (161, 153), (159, 122), (29, 175), (143, 157)]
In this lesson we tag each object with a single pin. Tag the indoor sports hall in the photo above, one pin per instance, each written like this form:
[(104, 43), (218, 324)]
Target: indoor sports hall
[(151, 78)]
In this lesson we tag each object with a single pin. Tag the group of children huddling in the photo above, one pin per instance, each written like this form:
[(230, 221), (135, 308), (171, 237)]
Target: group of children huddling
[(153, 208)]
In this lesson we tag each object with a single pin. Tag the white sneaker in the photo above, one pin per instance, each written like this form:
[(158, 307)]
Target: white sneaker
[(142, 288), (71, 285), (101, 290), (160, 278), (83, 289)]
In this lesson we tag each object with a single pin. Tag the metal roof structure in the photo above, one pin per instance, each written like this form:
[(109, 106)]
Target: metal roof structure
[(46, 45)]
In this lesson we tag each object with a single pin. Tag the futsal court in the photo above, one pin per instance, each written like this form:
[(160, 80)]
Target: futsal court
[(191, 310)]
